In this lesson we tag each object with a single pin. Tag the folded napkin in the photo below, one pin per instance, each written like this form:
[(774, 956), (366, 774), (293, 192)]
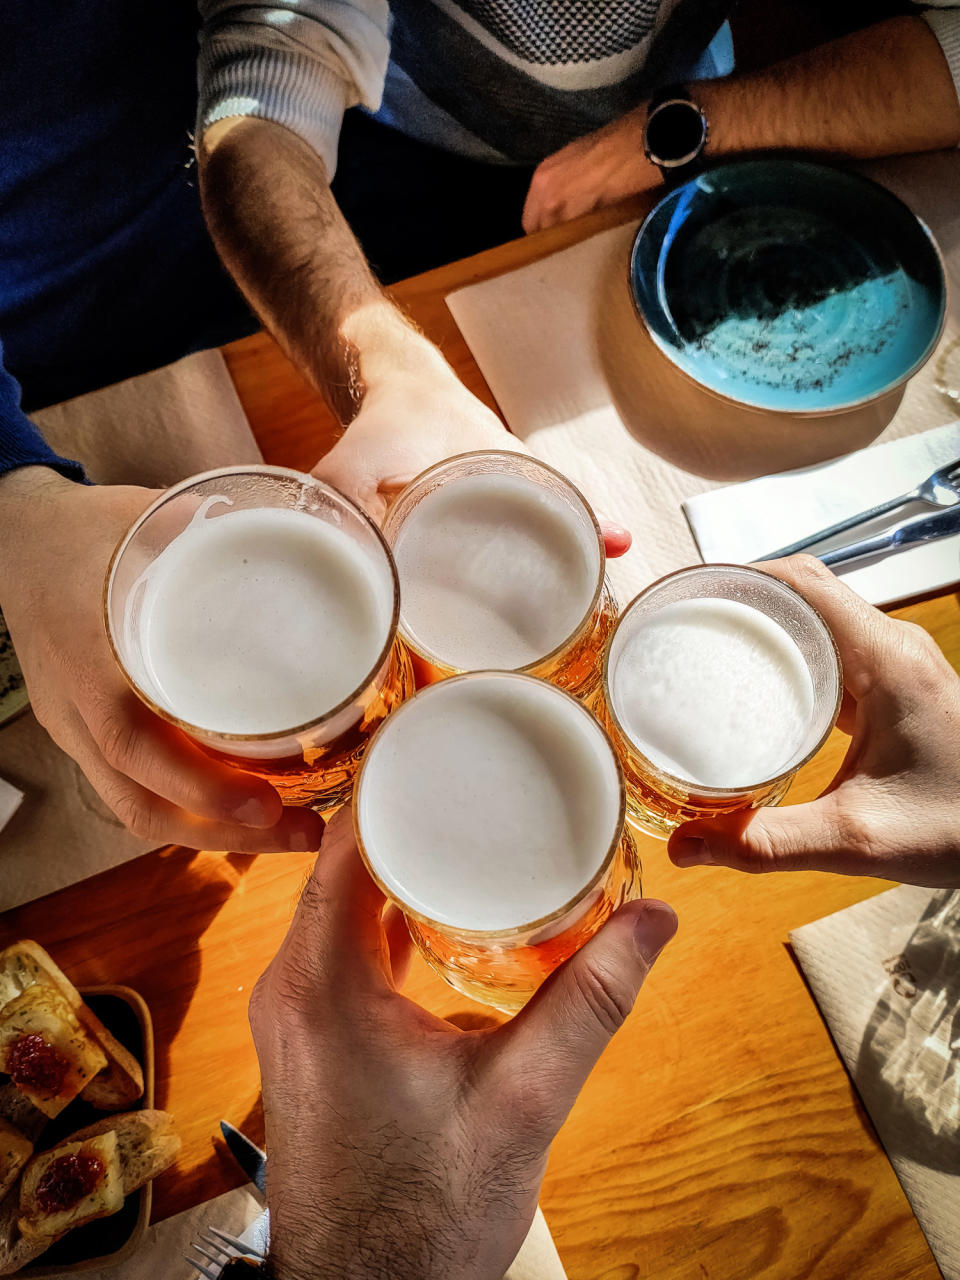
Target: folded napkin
[(151, 430), (578, 379), (10, 801), (886, 975), (744, 521)]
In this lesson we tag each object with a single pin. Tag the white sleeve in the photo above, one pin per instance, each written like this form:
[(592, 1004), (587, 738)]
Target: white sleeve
[(943, 18), (301, 63)]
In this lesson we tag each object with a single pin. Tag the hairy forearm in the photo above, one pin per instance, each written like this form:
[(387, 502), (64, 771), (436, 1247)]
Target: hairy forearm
[(885, 90), (275, 223)]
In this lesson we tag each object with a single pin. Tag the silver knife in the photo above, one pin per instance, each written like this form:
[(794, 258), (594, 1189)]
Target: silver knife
[(924, 529), (247, 1154)]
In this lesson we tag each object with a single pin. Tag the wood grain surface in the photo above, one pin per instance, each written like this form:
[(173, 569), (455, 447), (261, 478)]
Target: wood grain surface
[(718, 1137)]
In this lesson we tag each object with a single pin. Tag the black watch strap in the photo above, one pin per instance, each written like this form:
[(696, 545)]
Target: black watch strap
[(668, 93)]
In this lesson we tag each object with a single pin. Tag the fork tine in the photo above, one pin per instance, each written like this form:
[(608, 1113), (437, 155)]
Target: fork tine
[(217, 1258), (202, 1269), (234, 1242)]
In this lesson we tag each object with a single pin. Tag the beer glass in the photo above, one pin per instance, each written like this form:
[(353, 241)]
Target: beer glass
[(255, 608), (490, 810), (501, 566), (719, 683)]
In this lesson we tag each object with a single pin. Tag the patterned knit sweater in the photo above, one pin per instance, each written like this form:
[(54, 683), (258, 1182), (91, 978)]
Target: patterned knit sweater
[(503, 80)]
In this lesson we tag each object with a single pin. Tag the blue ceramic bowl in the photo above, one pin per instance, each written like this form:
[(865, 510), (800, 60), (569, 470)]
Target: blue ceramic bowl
[(789, 286)]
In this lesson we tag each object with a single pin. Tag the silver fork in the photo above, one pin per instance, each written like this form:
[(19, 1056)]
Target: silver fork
[(942, 489), (225, 1248)]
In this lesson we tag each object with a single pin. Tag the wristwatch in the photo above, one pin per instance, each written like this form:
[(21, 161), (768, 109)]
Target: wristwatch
[(676, 132)]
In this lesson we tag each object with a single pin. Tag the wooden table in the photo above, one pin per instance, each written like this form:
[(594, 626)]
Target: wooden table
[(718, 1137)]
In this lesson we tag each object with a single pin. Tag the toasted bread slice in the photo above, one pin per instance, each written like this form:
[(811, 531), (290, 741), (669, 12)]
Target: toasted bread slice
[(20, 1112), (120, 1082), (16, 1250), (50, 1172), (147, 1144), (15, 1150), (41, 1026), (144, 1144)]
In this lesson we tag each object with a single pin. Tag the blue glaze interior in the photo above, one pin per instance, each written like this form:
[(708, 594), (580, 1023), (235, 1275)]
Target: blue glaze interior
[(789, 285)]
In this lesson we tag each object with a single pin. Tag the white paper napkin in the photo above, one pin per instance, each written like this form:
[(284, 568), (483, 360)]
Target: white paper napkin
[(577, 378), (151, 430), (744, 521), (886, 975)]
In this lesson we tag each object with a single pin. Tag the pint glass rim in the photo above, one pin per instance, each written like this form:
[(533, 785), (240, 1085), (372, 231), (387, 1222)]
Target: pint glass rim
[(512, 931), (391, 529), (685, 784), (253, 469)]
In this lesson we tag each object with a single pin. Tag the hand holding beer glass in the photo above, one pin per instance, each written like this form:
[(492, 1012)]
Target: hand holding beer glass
[(490, 810), (501, 566), (720, 682), (255, 609)]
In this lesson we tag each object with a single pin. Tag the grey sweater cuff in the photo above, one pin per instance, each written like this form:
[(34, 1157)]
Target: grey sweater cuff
[(290, 88), (945, 25)]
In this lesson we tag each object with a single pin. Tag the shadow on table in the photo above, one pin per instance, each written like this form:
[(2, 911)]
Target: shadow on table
[(699, 432), (908, 1067)]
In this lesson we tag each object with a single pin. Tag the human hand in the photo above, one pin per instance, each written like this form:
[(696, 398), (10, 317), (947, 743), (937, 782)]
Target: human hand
[(892, 810), (593, 171), (409, 423), (401, 1147), (58, 538)]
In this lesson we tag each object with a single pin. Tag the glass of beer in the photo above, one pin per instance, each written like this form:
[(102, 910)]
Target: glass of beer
[(256, 609), (490, 810), (501, 566), (720, 682)]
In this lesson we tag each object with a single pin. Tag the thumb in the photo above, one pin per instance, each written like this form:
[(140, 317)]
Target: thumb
[(557, 1039), (802, 837), (347, 472)]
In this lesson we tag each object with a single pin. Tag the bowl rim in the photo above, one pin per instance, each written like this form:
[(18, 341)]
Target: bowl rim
[(793, 164)]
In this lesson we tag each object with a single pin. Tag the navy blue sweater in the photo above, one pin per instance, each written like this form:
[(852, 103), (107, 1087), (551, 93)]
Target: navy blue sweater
[(106, 269)]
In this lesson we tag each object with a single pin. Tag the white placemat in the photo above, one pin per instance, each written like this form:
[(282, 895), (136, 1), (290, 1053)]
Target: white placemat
[(151, 430), (578, 379), (886, 975)]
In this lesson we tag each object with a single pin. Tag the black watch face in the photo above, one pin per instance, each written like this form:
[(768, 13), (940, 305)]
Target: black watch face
[(675, 133)]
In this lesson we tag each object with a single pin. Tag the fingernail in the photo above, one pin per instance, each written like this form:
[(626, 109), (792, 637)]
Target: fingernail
[(690, 851), (654, 928), (253, 813), (616, 530)]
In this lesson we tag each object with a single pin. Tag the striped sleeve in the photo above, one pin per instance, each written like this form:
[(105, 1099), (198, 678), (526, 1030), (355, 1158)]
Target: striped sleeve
[(301, 63), (943, 18)]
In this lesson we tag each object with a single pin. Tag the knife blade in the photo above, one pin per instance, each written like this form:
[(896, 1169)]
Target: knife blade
[(924, 529), (247, 1154)]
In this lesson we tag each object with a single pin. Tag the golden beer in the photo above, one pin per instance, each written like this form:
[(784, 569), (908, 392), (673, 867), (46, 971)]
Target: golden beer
[(719, 683), (490, 810), (502, 567), (256, 609)]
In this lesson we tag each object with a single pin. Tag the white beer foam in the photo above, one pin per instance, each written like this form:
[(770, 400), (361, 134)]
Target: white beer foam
[(488, 802), (715, 692), (495, 571), (256, 621)]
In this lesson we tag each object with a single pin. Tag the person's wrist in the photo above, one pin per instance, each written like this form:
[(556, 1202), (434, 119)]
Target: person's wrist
[(391, 350), (25, 497)]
